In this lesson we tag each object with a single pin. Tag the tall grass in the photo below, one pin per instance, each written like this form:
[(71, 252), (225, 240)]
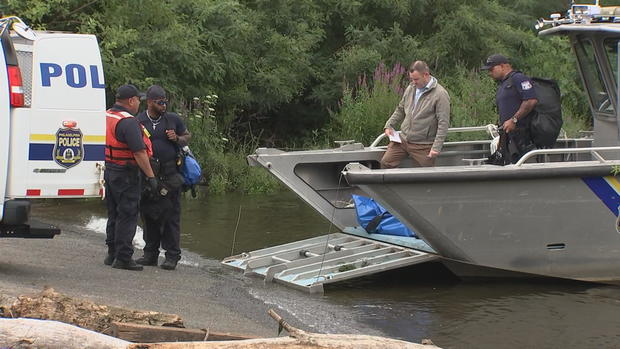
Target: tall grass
[(223, 161), (365, 107), (472, 102)]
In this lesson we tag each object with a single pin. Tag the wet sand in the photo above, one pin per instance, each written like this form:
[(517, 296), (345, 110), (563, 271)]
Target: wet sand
[(204, 294)]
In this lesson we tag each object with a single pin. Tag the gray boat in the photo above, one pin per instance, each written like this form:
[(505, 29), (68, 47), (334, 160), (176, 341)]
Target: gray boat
[(552, 214), (557, 216)]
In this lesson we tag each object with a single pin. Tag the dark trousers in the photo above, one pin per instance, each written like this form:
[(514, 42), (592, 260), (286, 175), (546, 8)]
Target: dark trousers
[(122, 185), (519, 142), (163, 229)]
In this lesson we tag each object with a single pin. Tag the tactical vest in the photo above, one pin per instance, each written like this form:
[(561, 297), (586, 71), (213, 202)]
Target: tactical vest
[(115, 151)]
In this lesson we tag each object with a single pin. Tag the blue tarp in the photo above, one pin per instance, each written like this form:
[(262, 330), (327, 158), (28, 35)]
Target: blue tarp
[(367, 210)]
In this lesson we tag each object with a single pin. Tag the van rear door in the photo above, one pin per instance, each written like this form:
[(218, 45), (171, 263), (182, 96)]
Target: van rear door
[(5, 108), (57, 142)]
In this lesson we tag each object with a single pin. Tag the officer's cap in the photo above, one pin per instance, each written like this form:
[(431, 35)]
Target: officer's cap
[(155, 92), (128, 91), (494, 60)]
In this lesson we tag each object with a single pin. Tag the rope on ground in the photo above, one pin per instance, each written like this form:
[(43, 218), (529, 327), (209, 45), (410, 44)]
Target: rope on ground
[(232, 248)]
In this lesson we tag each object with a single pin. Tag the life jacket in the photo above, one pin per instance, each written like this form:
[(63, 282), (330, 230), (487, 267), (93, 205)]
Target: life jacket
[(115, 151)]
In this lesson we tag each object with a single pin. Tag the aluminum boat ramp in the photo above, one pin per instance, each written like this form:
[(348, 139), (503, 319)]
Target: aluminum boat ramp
[(309, 264)]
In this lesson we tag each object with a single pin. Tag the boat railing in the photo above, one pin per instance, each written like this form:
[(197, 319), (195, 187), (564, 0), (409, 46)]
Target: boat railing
[(490, 128), (594, 151)]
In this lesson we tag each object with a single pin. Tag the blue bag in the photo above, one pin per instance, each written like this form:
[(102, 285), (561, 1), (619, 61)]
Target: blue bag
[(190, 169), (375, 219)]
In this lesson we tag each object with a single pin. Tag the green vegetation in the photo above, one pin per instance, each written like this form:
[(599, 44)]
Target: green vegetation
[(224, 161), (304, 73)]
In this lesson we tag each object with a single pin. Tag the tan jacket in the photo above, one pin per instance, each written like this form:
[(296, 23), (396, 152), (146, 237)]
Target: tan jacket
[(428, 121)]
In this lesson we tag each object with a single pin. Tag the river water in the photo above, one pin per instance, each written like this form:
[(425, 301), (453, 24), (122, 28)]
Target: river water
[(411, 304)]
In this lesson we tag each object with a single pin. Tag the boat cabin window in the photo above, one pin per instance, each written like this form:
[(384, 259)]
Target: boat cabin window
[(611, 50), (599, 97)]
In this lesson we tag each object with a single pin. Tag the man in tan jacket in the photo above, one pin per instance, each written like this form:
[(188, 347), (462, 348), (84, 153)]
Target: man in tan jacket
[(424, 117)]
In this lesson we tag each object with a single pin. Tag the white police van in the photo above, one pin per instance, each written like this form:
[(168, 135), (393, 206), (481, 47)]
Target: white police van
[(52, 124)]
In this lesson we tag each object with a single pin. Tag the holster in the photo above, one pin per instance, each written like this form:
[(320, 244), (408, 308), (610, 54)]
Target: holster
[(169, 175)]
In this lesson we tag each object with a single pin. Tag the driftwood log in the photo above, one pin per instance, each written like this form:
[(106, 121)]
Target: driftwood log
[(313, 341), (51, 305), (152, 334), (33, 333), (298, 340)]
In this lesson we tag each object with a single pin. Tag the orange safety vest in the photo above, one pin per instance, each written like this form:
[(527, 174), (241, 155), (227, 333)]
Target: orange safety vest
[(115, 151)]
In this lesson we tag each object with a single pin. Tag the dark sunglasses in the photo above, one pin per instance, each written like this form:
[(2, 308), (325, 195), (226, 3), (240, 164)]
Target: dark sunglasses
[(161, 102)]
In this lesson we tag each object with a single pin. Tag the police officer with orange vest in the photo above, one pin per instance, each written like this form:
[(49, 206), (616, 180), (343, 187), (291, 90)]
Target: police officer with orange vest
[(127, 152)]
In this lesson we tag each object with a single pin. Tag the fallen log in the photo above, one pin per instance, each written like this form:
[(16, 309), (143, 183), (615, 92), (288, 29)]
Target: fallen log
[(153, 334), (312, 341), (299, 340), (51, 305), (33, 333)]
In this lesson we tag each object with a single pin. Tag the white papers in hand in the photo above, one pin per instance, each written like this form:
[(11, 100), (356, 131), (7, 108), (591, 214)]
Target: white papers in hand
[(395, 137)]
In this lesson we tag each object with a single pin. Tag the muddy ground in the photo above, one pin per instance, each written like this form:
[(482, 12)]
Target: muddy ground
[(204, 294)]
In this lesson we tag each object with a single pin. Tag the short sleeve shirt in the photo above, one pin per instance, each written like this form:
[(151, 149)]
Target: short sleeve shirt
[(128, 131), (512, 91), (163, 149)]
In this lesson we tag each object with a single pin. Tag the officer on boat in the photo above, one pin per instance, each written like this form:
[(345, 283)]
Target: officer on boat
[(515, 99)]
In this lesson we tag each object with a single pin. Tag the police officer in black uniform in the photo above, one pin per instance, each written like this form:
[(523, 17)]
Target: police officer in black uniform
[(161, 213), (515, 99), (127, 153)]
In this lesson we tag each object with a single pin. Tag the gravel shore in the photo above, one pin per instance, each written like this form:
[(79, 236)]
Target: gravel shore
[(203, 293)]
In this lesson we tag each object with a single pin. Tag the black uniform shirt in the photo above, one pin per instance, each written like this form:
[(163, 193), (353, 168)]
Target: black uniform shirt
[(128, 131), (512, 91), (163, 149)]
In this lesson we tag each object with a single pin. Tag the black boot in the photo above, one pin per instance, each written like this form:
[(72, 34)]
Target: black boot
[(147, 260), (109, 259), (128, 265), (169, 264)]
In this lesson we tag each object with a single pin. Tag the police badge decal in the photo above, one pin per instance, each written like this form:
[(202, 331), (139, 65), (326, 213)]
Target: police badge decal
[(69, 147), (526, 85)]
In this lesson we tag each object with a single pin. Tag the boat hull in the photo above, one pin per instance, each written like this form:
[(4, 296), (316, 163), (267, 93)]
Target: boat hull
[(537, 220)]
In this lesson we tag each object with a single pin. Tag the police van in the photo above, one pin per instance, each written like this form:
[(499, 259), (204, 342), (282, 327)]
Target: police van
[(52, 124)]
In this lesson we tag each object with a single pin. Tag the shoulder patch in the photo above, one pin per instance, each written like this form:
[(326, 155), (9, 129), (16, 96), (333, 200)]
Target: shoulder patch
[(526, 85)]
